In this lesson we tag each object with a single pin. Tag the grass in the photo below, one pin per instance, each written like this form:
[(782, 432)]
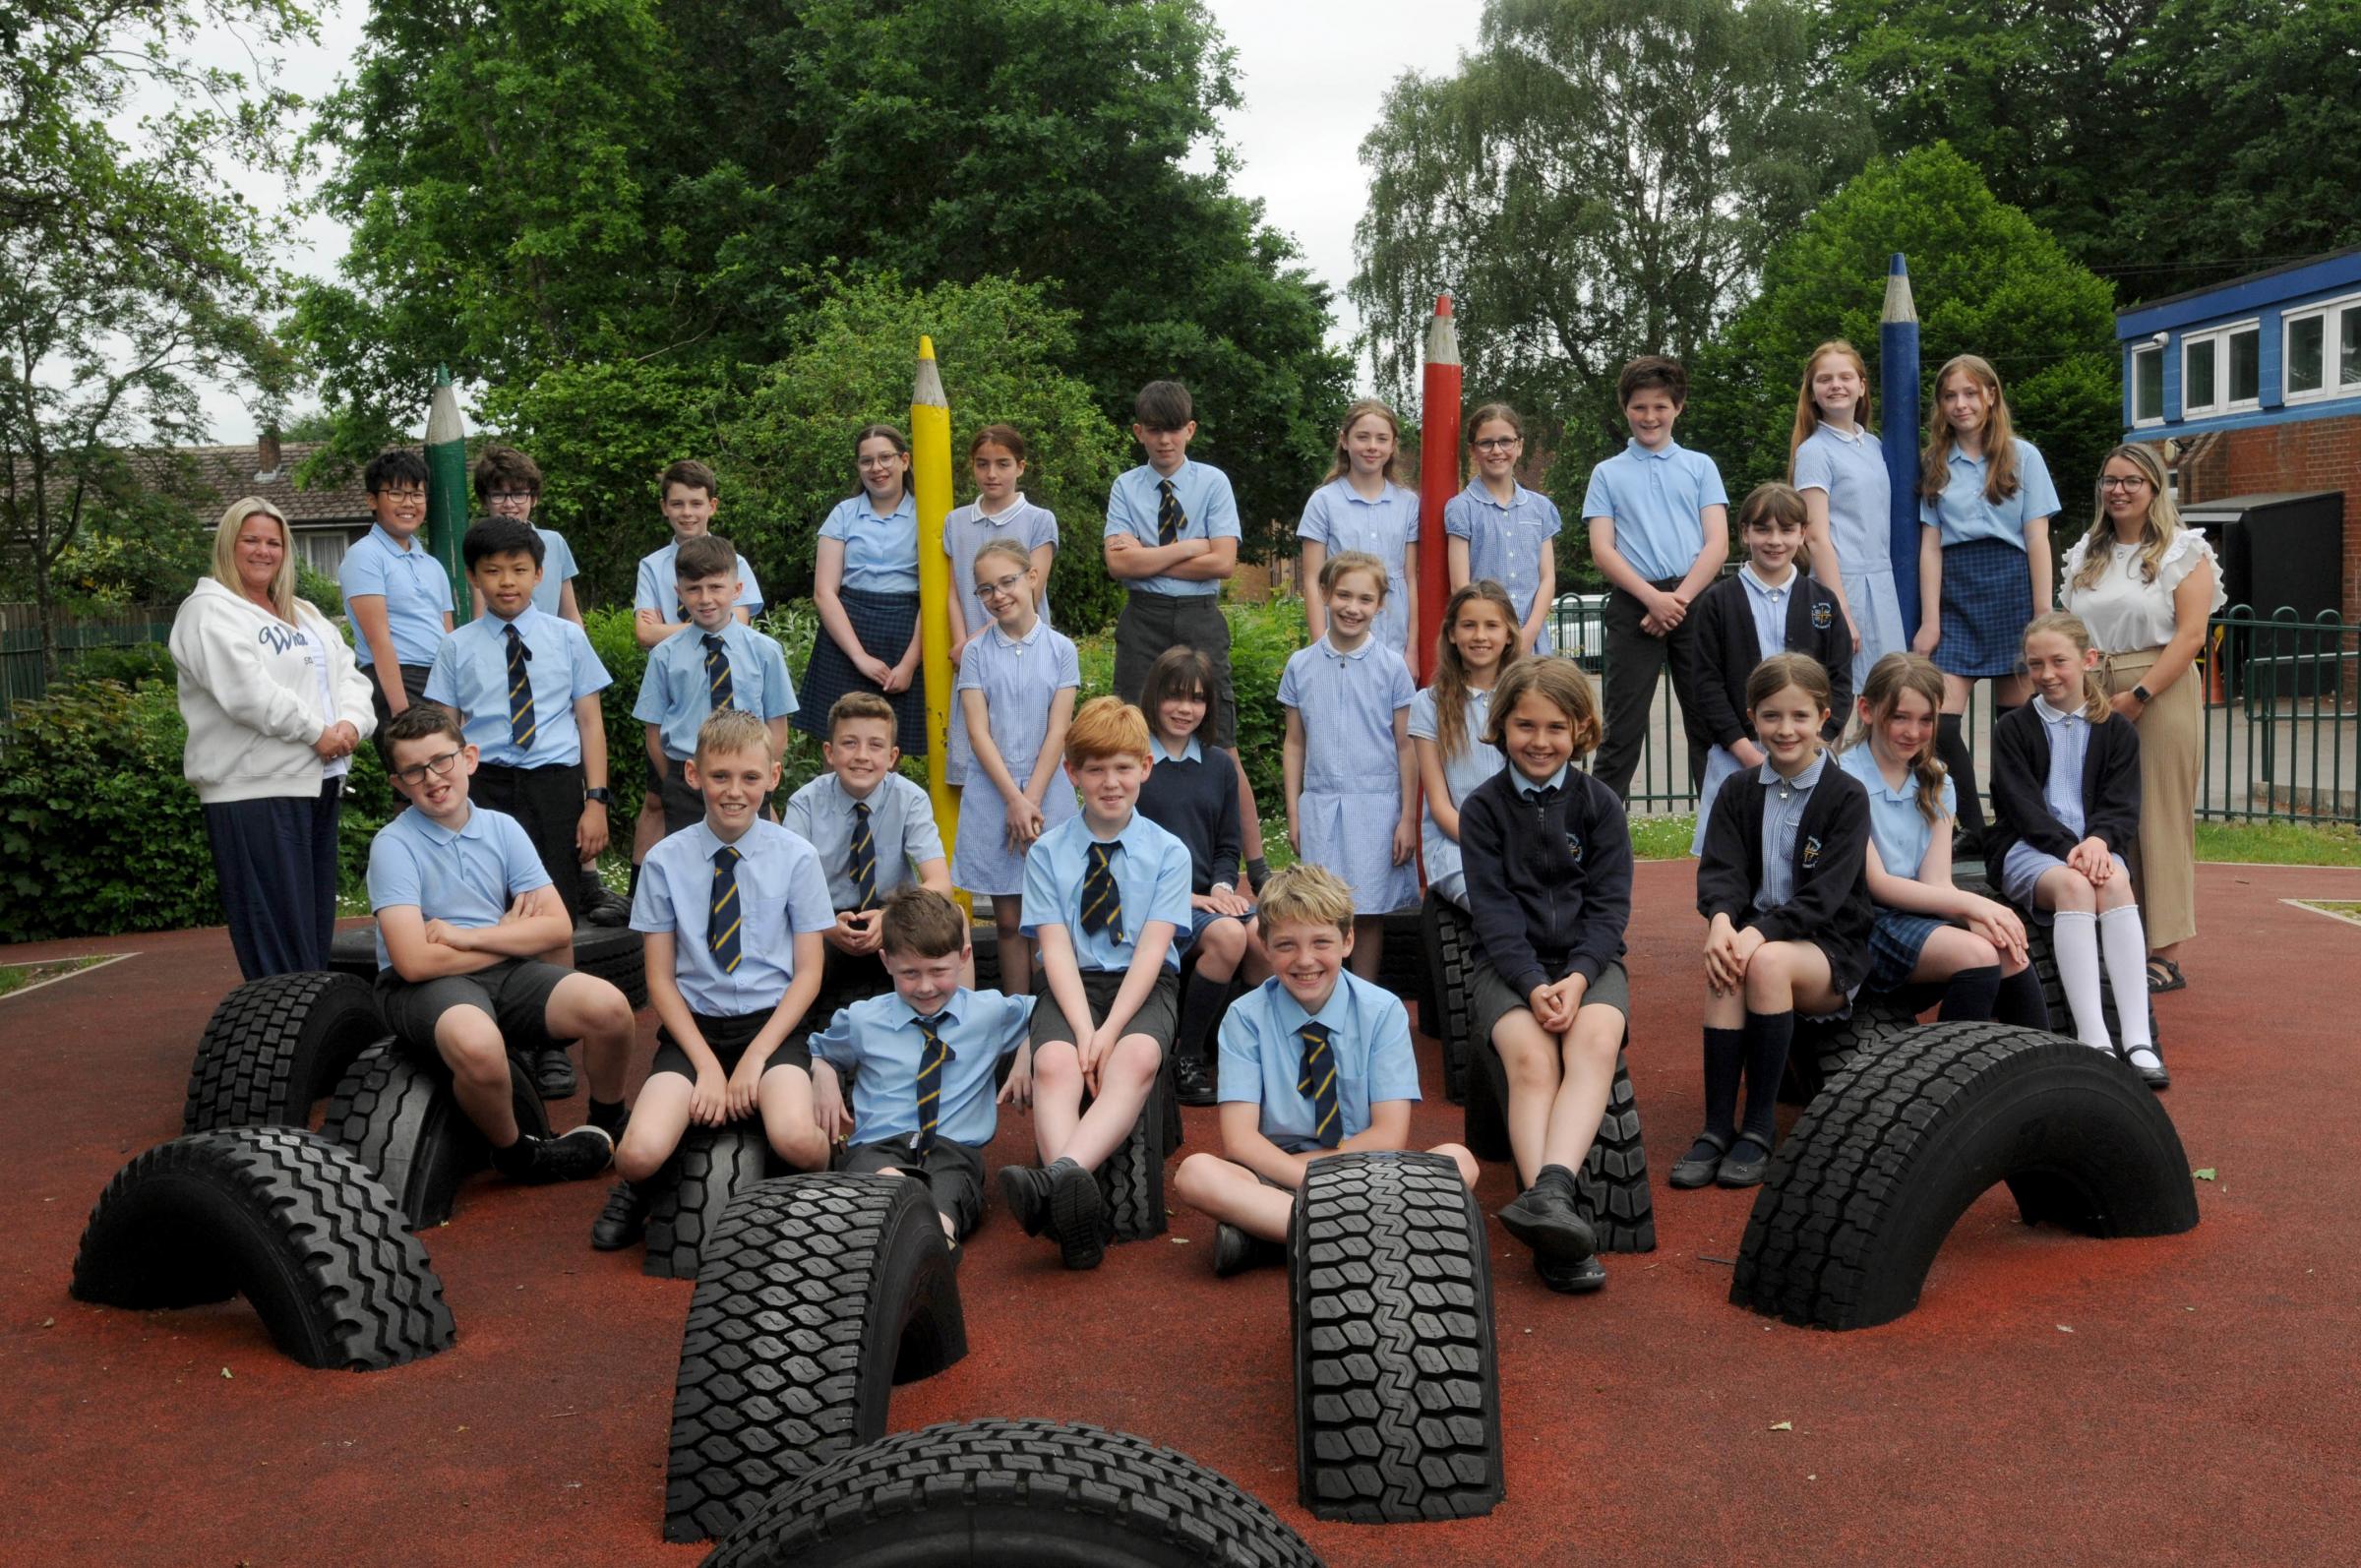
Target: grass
[(1662, 837), (20, 977), (2280, 843), (2332, 906)]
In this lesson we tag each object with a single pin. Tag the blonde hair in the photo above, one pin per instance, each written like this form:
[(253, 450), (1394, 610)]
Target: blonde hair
[(1450, 685), (1333, 569), (1013, 548), (1563, 685), (1889, 678), (733, 730), (1304, 894), (1106, 726), (1342, 463), (225, 553), (2157, 529), (2066, 624), (1807, 412), (2000, 438)]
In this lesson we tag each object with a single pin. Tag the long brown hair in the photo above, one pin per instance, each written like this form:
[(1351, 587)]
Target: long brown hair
[(2066, 624), (901, 445), (1342, 463), (2000, 438), (1889, 678), (2156, 530), (1807, 412), (1450, 685), (1560, 683)]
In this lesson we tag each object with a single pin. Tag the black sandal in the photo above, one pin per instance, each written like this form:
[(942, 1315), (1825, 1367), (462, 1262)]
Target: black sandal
[(1688, 1172), (2172, 978)]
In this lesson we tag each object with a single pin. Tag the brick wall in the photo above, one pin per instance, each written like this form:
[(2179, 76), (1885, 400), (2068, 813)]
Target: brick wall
[(2307, 456)]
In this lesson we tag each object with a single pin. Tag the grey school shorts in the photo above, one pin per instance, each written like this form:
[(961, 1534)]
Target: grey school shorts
[(514, 992), (1158, 1016), (1490, 998)]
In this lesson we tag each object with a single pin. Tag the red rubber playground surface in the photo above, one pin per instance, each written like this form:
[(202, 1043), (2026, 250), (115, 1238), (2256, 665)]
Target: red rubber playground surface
[(2053, 1398)]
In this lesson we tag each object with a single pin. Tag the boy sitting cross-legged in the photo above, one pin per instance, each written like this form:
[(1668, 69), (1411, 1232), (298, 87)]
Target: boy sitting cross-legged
[(1314, 1061), (732, 907), (1104, 893), (922, 1103), (463, 904)]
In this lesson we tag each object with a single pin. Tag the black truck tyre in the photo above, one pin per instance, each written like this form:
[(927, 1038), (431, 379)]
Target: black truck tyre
[(2042, 951), (1611, 1188), (613, 953), (1484, 1119), (1821, 1051), (816, 1295), (1397, 1385), (1449, 938), (1404, 969), (1131, 1178), (283, 1217), (689, 1195), (1881, 1166), (277, 1046), (399, 1118), (1044, 1494), (355, 953), (984, 941)]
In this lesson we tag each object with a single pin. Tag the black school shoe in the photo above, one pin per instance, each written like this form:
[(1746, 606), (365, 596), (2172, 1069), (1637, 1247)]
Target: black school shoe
[(553, 1073), (1736, 1173), (622, 1222), (577, 1157), (607, 907), (1232, 1249), (1192, 1085), (1689, 1172), (2154, 1077), (1077, 1219), (1025, 1189), (1576, 1277), (1545, 1220)]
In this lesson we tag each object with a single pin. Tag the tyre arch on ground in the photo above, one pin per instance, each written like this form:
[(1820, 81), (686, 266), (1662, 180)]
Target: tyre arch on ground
[(816, 1295), (397, 1113), (1610, 1190), (1882, 1164), (1822, 1049), (687, 1196), (277, 1046), (283, 1217), (1396, 1380)]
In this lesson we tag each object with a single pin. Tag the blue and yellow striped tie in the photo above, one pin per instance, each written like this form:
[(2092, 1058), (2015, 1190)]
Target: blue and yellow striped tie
[(862, 861), (724, 916), (717, 672), (1169, 518), (1102, 900), (521, 723), (930, 1082), (1317, 1084)]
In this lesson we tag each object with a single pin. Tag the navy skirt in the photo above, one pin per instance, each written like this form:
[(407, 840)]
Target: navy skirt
[(1988, 603), (884, 623), (1895, 943)]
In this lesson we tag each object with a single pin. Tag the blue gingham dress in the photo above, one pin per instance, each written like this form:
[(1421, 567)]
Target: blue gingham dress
[(1351, 768), (1477, 761), (1020, 679)]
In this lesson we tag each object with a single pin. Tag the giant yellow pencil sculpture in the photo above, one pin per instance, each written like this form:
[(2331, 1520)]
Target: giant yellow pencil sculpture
[(931, 483)]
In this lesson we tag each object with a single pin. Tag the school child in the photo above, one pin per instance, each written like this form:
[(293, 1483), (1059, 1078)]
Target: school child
[(1105, 894), (1001, 510), (864, 585), (1449, 719), (462, 906), (507, 484), (1360, 507), (1768, 606), (1836, 464), (1314, 1061), (1660, 530), (395, 593), (2065, 793), (1352, 778), (1497, 530), (733, 908), (1784, 886), (1928, 930), (1187, 793), (1984, 563), (1548, 868), (1016, 691), (1172, 534), (874, 831), (923, 1059), (714, 663)]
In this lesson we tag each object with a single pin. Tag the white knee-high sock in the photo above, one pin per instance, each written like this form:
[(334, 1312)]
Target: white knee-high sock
[(2124, 941), (2077, 939)]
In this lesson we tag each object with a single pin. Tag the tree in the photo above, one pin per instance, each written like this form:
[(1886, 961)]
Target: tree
[(130, 270), (1595, 181), (1986, 281)]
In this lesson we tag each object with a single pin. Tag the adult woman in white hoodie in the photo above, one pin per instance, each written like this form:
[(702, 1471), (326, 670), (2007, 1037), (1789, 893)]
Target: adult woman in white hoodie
[(275, 705)]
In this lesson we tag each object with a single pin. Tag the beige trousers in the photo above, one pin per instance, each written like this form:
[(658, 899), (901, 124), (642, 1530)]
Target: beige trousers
[(2172, 736)]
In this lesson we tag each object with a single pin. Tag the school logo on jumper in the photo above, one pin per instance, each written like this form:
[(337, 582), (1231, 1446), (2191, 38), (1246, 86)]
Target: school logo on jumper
[(1811, 853), (1574, 846), (1823, 615)]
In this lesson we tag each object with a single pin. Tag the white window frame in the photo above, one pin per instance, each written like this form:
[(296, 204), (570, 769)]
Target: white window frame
[(2329, 313), (2132, 384), (2216, 340)]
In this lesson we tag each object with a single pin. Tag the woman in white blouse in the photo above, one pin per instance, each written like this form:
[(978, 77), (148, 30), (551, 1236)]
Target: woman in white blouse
[(2146, 586)]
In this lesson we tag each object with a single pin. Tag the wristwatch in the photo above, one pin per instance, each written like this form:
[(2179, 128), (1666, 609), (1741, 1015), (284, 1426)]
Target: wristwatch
[(599, 793), (2141, 693)]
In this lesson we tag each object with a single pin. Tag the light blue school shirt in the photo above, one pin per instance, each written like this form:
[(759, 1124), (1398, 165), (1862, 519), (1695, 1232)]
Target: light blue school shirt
[(1262, 1057), (1504, 542), (1152, 879), (1962, 513), (880, 553), (471, 674), (781, 896), (1020, 678), (2069, 749), (468, 875), (412, 583), (1342, 518), (1900, 832), (880, 1036), (1851, 470), (676, 696), (1769, 606), (1208, 511), (1657, 501), (658, 586), (1346, 703), (557, 570), (967, 531), (1476, 760), (1780, 818), (901, 826)]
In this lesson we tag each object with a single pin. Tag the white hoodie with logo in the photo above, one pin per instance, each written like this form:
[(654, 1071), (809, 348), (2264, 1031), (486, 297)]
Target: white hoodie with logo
[(250, 690)]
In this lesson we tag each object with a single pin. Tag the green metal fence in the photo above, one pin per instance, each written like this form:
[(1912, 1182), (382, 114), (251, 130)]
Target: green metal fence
[(23, 675)]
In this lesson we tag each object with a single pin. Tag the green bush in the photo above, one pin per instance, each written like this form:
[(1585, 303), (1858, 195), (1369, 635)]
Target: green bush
[(135, 665), (1261, 638)]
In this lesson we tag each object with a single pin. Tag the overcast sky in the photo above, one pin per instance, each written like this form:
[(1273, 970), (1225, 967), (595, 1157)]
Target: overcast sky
[(1311, 72)]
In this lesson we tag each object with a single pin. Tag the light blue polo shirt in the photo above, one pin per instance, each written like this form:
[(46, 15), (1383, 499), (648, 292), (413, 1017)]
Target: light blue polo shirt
[(676, 696), (471, 674), (1208, 509), (901, 824), (412, 583), (658, 585), (1262, 1057), (1900, 832), (1962, 513), (1657, 501), (880, 551), (1504, 543), (1152, 879), (1851, 471), (557, 570), (881, 1038), (781, 896), (468, 875)]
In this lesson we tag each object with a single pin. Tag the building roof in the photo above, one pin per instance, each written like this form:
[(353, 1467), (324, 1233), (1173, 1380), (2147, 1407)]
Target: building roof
[(2315, 276), (233, 471)]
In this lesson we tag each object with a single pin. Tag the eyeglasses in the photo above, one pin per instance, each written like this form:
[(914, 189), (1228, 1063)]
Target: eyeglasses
[(441, 767), (887, 462), (1000, 587), (2117, 482), (1499, 443), (513, 495)]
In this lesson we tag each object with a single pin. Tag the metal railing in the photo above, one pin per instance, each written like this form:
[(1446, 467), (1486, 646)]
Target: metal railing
[(23, 675)]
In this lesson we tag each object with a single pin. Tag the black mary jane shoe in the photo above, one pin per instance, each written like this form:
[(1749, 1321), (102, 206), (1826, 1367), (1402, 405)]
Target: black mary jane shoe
[(1689, 1172), (2154, 1077), (1736, 1172)]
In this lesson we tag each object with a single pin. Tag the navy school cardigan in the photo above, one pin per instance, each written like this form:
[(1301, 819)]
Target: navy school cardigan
[(1831, 905), (1728, 650), (1549, 885), (2020, 786)]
